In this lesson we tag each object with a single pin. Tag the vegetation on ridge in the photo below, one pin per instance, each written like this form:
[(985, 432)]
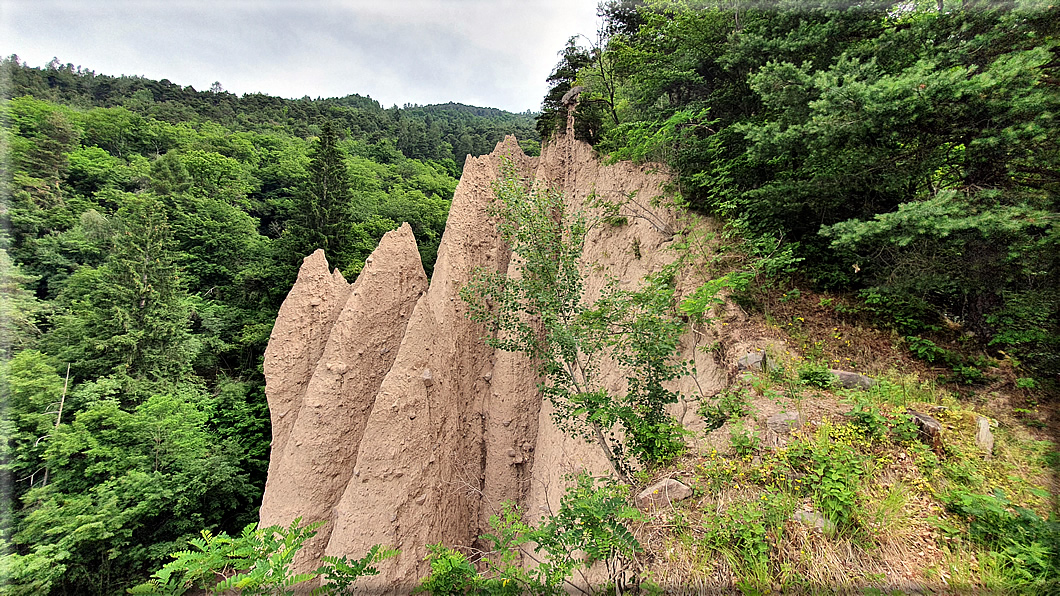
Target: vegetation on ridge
[(906, 151), (149, 236), (887, 172)]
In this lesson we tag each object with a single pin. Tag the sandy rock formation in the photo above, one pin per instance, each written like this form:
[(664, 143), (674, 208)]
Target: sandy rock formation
[(310, 470), (419, 470), (297, 341), (423, 448), (627, 252)]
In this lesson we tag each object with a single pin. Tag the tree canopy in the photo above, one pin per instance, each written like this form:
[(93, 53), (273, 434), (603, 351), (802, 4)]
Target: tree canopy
[(906, 151)]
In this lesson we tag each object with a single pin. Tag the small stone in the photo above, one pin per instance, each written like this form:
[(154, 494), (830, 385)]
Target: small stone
[(983, 437), (852, 380), (512, 453), (662, 494), (428, 378), (420, 499), (518, 459), (930, 429), (487, 377), (752, 361), (815, 520), (337, 367), (314, 301), (783, 423)]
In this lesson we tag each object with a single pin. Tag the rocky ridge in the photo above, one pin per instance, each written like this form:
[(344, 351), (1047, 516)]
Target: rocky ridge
[(395, 422)]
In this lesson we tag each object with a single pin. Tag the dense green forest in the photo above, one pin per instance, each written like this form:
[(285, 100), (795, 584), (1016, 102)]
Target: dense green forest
[(446, 131), (150, 233), (906, 151), (904, 154)]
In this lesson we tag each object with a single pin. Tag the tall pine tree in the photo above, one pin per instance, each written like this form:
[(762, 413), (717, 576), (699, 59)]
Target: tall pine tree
[(129, 317), (323, 210)]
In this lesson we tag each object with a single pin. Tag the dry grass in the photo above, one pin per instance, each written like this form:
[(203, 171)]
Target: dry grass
[(896, 542)]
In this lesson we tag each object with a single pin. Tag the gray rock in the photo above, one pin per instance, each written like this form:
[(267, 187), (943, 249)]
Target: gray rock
[(983, 437), (783, 423), (814, 520), (930, 429), (752, 361), (662, 494), (852, 380), (572, 95)]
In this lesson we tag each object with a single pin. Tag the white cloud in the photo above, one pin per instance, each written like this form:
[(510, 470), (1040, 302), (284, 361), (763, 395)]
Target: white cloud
[(493, 53)]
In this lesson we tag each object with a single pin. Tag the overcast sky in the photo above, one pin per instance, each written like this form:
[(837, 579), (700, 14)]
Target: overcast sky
[(492, 53)]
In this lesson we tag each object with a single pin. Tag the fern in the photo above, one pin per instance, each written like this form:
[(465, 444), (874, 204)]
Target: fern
[(341, 573)]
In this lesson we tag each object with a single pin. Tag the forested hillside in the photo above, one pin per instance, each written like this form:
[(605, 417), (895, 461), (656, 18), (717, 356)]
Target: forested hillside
[(905, 151), (446, 131), (150, 234), (886, 176)]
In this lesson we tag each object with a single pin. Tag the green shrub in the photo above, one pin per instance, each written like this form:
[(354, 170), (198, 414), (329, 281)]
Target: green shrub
[(831, 473), (927, 350), (868, 419), (744, 440), (731, 404), (451, 573), (258, 561), (339, 573), (743, 530), (1026, 546), (589, 527), (816, 375)]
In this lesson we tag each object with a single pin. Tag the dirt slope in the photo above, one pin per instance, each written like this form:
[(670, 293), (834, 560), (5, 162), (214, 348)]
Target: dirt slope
[(453, 429)]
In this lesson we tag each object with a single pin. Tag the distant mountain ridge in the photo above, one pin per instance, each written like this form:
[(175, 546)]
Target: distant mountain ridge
[(442, 131)]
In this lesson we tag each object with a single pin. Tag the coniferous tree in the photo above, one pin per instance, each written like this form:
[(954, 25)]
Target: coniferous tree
[(323, 210), (129, 316), (553, 113)]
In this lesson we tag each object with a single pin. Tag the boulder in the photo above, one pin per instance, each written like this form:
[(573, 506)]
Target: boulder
[(983, 437), (662, 494), (852, 380), (782, 423)]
